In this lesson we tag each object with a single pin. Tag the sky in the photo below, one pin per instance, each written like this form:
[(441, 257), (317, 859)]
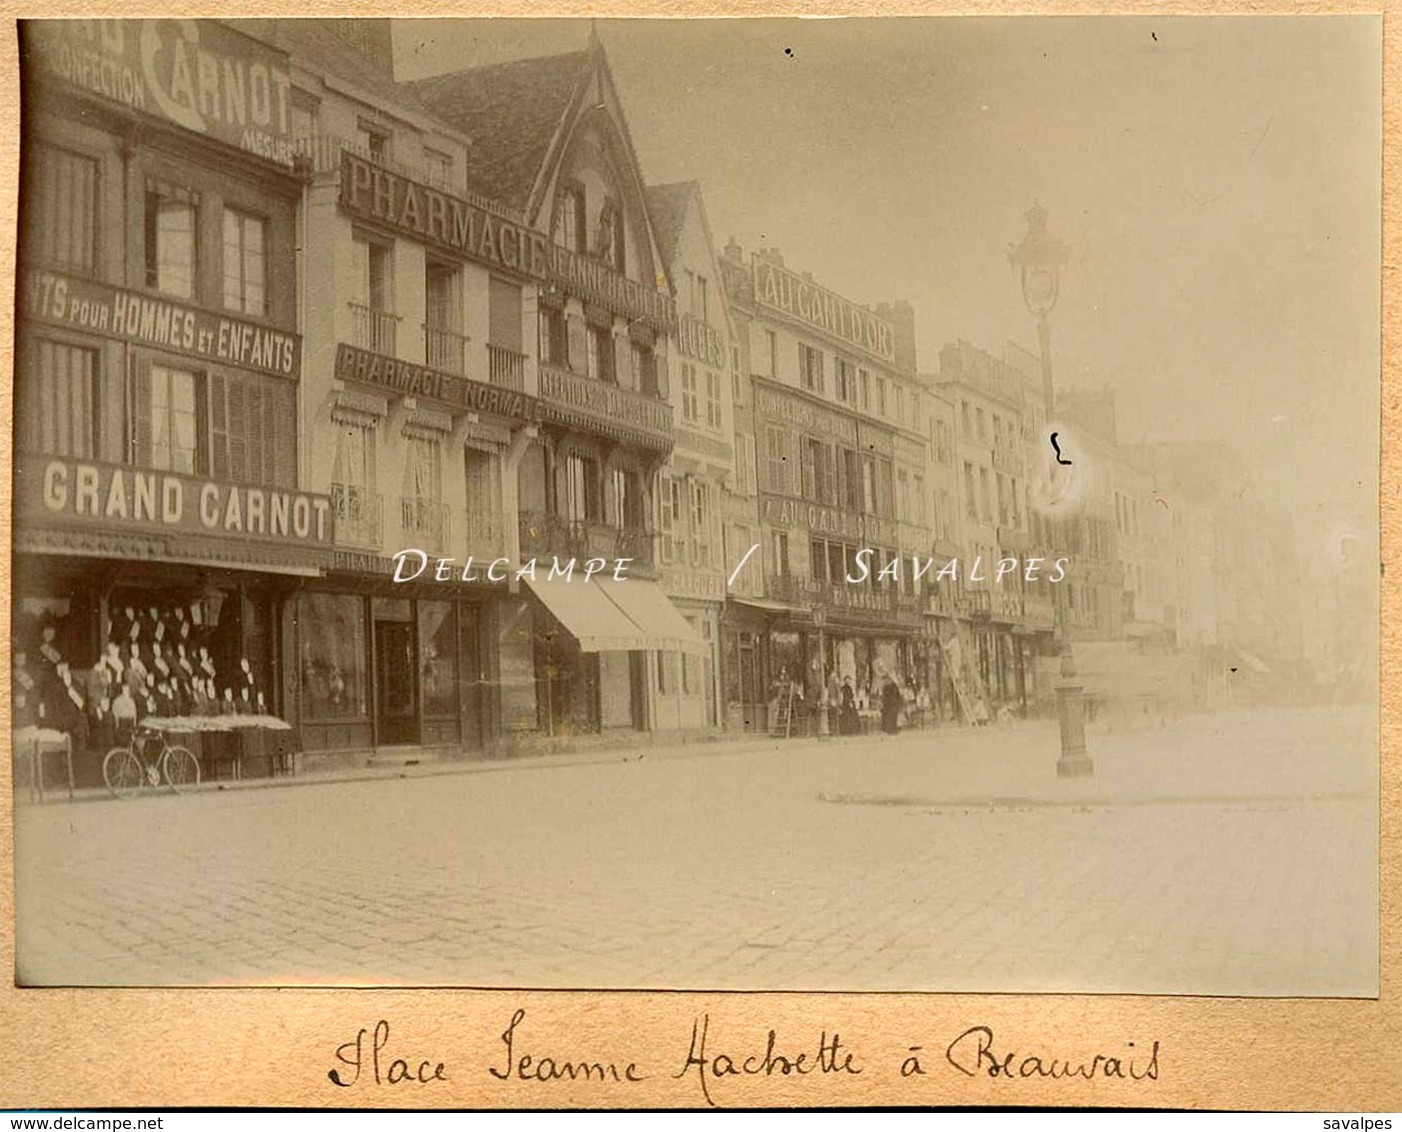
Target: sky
[(1218, 181)]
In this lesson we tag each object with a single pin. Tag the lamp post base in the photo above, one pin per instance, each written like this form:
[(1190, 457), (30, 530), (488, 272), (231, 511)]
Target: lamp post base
[(1074, 762)]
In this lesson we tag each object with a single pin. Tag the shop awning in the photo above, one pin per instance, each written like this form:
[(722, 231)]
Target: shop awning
[(595, 622), (646, 605)]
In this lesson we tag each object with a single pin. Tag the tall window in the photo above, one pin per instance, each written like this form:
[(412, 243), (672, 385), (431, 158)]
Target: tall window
[(713, 415), (868, 485), (881, 396), (777, 459), (903, 508), (252, 429), (245, 263), (58, 401), (771, 342), (982, 425), (165, 419), (780, 552), (985, 506), (423, 468), (569, 220), (645, 368), (810, 367), (373, 141), (690, 411), (744, 463), (353, 480), (438, 168), (701, 523), (845, 377), (171, 234), (62, 209), (600, 346), (885, 487), (554, 336), (627, 500), (852, 479), (970, 499), (581, 488), (669, 518), (900, 403), (864, 390), (376, 326), (818, 559), (964, 429)]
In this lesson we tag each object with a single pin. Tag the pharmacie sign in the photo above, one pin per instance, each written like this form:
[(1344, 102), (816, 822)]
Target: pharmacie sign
[(407, 379), (445, 221), (802, 299), (81, 304), (198, 74), (132, 500)]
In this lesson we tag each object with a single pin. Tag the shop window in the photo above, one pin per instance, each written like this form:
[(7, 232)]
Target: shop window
[(810, 367), (333, 673), (172, 239), (61, 208), (690, 412), (252, 430), (58, 400), (554, 336), (245, 263), (164, 414), (438, 658)]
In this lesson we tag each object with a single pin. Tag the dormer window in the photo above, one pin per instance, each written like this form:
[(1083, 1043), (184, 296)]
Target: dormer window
[(569, 220)]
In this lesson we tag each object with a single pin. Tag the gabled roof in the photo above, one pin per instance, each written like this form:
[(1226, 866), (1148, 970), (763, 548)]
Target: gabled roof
[(510, 113), (667, 205)]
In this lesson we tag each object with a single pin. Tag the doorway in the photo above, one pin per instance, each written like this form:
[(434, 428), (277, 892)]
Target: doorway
[(396, 683)]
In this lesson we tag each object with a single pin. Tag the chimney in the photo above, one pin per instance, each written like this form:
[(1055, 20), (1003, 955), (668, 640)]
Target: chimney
[(901, 316), (734, 252)]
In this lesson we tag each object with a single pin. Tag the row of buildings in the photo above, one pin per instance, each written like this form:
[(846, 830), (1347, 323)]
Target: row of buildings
[(282, 316)]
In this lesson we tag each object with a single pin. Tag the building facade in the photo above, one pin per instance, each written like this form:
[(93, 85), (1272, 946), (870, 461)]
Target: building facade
[(162, 523)]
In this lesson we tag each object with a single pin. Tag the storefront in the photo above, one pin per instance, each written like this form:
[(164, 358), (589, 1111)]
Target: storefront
[(381, 665)]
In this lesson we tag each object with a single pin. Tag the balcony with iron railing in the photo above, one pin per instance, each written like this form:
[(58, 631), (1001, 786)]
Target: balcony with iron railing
[(374, 329), (506, 368), (359, 516), (424, 523), (483, 533), (544, 535), (445, 349)]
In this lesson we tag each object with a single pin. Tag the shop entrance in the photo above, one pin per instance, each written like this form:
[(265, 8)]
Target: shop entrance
[(396, 684)]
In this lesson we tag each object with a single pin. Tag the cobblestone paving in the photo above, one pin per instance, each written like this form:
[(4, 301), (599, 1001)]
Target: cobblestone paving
[(955, 862)]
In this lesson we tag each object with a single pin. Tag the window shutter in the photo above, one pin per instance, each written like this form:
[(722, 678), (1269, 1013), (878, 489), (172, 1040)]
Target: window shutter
[(139, 414)]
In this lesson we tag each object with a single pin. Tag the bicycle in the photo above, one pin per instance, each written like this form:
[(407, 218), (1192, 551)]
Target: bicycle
[(128, 770)]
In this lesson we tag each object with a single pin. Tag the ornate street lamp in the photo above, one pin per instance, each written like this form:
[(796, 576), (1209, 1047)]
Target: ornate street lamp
[(1039, 259)]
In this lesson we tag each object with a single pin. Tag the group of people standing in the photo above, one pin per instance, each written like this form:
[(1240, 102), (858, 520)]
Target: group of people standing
[(847, 701)]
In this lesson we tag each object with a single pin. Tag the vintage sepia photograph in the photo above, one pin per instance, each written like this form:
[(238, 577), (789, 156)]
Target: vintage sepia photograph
[(692, 504)]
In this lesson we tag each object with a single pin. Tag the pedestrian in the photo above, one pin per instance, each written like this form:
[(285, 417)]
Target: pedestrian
[(891, 703), (848, 720)]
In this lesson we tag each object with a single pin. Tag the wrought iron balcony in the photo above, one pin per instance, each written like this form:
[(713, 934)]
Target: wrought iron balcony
[(445, 349), (373, 329), (506, 368), (424, 522), (359, 516)]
